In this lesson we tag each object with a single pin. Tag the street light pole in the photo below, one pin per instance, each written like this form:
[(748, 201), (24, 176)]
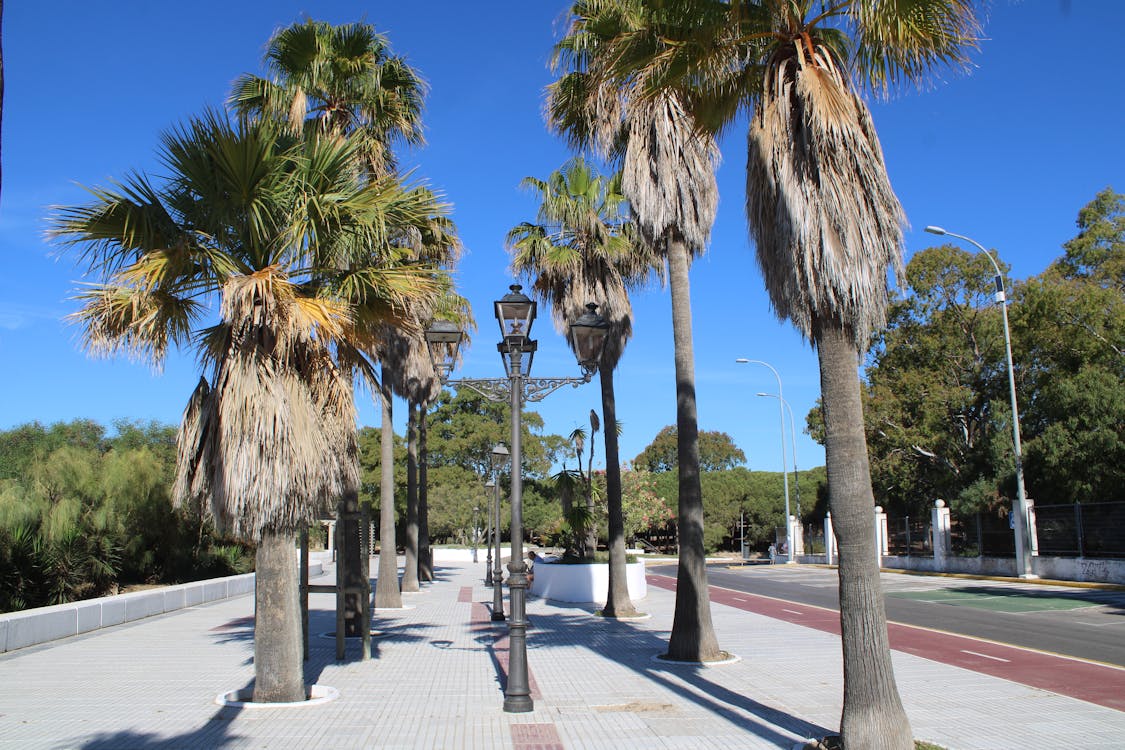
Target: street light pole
[(793, 445), (499, 458), (490, 486), (1023, 517), (517, 695), (790, 552)]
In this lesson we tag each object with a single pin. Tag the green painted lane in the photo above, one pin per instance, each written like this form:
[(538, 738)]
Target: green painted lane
[(995, 600)]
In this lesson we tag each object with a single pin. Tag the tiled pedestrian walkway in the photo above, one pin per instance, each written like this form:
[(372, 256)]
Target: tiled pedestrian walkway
[(435, 678)]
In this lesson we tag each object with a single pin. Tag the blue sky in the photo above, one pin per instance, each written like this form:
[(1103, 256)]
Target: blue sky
[(1006, 155)]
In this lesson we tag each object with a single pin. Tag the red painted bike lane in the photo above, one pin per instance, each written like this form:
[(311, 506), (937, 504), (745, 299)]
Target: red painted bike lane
[(1096, 683)]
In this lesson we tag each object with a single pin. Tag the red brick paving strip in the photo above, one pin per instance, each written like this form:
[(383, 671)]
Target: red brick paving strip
[(466, 594), (1096, 683), (480, 619), (502, 658), (536, 737)]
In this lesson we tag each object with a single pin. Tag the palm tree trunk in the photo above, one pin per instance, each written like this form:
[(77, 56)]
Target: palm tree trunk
[(617, 601), (278, 665), (387, 593), (410, 571), (693, 635), (425, 554), (873, 716)]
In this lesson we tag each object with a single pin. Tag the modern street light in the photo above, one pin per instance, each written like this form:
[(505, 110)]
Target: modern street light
[(1023, 517), (500, 457), (793, 444), (515, 313), (790, 552)]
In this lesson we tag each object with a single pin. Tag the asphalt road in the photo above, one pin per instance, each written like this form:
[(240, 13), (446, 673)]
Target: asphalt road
[(1076, 622)]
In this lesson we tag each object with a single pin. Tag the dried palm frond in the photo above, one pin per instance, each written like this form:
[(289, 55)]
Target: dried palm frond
[(822, 213), (669, 173), (142, 323)]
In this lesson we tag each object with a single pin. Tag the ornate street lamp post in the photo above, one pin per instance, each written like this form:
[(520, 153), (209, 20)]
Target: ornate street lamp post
[(515, 313), (500, 457), (490, 486)]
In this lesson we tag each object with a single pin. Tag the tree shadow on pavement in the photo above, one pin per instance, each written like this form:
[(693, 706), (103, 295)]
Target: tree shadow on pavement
[(214, 734), (635, 647)]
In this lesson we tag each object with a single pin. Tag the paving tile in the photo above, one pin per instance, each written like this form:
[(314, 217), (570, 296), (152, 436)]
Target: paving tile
[(436, 678)]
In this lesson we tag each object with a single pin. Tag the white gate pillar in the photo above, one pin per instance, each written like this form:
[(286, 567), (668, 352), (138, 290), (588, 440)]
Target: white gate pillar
[(829, 539), (939, 522)]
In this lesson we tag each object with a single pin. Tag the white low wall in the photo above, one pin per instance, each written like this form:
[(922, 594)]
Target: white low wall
[(459, 554), (1080, 569), (42, 624), (585, 583)]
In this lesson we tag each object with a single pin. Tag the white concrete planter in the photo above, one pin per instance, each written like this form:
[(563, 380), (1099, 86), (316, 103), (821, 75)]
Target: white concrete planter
[(585, 583)]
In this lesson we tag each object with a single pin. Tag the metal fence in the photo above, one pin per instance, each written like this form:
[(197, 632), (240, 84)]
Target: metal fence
[(909, 535), (982, 535), (1081, 530)]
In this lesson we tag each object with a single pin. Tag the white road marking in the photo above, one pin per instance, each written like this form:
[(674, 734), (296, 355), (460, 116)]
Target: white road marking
[(986, 656), (792, 611)]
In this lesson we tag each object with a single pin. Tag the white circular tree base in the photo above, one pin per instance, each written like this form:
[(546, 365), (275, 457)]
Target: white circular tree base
[(317, 694)]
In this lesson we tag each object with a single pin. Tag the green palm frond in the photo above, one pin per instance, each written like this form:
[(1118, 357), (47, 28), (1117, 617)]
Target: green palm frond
[(121, 224), (337, 80), (898, 43), (583, 248)]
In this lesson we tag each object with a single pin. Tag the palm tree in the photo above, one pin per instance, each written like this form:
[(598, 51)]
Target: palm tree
[(824, 218), (338, 80), (277, 232), (668, 176), (585, 249), (407, 372), (827, 227), (344, 82)]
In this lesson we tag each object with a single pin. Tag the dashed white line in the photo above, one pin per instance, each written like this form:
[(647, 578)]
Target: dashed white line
[(986, 656), (792, 611)]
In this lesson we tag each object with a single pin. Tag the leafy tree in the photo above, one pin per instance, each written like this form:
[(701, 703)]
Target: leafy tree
[(463, 427), (1098, 252), (1068, 326), (86, 519), (937, 411), (717, 451), (642, 507), (935, 379)]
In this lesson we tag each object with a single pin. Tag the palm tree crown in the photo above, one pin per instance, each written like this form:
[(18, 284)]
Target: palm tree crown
[(339, 79), (817, 186), (583, 249), (279, 232)]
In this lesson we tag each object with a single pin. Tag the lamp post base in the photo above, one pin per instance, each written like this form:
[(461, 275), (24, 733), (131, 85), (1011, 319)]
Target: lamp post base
[(498, 617), (520, 704)]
